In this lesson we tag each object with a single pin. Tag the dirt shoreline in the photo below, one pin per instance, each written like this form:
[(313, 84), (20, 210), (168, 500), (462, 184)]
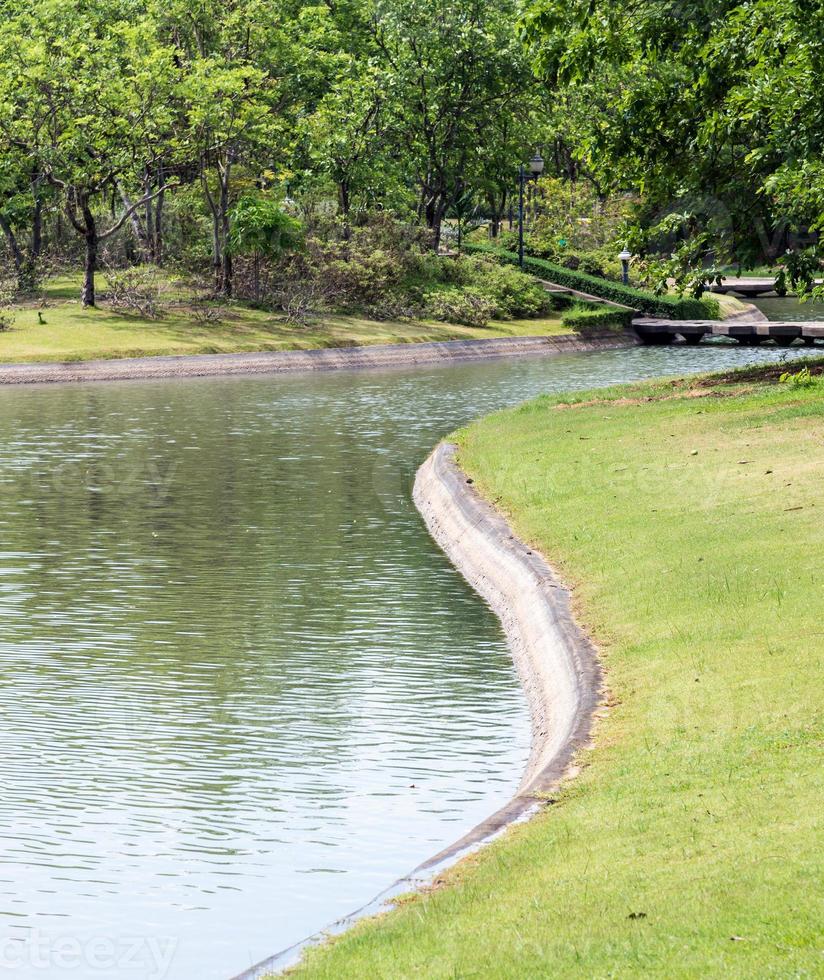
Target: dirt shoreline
[(294, 361), (556, 662)]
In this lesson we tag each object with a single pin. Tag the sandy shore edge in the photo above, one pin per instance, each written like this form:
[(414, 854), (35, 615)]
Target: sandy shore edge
[(305, 361), (557, 663)]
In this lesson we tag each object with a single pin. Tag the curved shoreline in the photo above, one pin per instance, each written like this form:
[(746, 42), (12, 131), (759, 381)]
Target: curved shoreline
[(302, 361), (556, 662)]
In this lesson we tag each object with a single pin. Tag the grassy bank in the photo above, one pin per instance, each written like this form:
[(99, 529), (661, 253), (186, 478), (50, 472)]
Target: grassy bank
[(63, 331), (688, 516)]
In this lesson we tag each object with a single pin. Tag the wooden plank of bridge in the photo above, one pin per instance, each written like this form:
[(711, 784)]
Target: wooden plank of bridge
[(782, 332)]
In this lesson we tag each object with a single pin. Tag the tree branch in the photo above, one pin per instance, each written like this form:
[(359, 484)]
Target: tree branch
[(130, 211)]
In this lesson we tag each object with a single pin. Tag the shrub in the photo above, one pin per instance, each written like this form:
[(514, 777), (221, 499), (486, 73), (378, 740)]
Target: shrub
[(363, 278), (206, 313), (589, 318), (513, 293), (135, 290), (380, 271), (6, 305), (460, 305), (666, 307)]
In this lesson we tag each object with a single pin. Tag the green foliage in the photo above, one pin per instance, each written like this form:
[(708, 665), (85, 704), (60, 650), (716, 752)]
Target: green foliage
[(602, 261), (467, 305), (514, 294), (689, 268), (507, 293), (667, 307), (707, 108), (800, 269), (6, 305), (593, 318), (798, 379), (386, 269), (570, 223), (259, 226), (561, 301)]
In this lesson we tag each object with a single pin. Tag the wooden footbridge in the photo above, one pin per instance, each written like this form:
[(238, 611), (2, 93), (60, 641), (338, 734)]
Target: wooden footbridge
[(750, 328), (750, 333)]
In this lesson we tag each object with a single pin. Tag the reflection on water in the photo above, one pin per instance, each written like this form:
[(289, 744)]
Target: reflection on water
[(241, 690), (789, 308)]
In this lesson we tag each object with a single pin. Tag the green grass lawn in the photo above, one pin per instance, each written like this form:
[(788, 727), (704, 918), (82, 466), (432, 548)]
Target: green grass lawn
[(730, 305), (688, 516), (70, 333)]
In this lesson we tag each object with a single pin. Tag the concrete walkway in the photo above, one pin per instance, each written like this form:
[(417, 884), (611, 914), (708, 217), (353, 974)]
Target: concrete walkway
[(750, 332)]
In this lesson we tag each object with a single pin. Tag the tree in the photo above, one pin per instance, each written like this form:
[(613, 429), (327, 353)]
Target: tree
[(709, 107), (21, 214), (261, 229), (450, 68), (247, 65), (84, 94), (347, 140)]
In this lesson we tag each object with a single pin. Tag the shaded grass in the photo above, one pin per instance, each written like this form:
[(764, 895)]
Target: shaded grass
[(70, 333), (688, 517), (730, 305)]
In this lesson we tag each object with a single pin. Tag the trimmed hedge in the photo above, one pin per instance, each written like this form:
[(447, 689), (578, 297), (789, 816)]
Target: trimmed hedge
[(589, 318), (666, 307)]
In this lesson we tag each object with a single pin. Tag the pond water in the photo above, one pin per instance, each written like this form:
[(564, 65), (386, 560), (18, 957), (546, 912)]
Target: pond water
[(789, 308), (241, 690)]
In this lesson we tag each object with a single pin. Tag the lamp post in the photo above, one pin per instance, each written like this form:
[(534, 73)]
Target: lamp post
[(536, 168), (625, 256)]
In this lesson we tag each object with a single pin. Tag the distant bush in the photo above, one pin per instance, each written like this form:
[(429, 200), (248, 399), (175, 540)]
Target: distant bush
[(381, 271), (361, 279), (136, 290), (6, 305), (560, 301), (466, 305), (386, 270), (513, 293), (597, 262)]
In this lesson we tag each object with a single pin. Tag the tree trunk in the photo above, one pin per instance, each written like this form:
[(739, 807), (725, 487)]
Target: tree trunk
[(158, 227), (87, 296), (217, 255), (217, 251), (497, 207), (345, 205), (226, 277), (227, 273), (435, 210), (14, 248), (37, 229), (140, 232)]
